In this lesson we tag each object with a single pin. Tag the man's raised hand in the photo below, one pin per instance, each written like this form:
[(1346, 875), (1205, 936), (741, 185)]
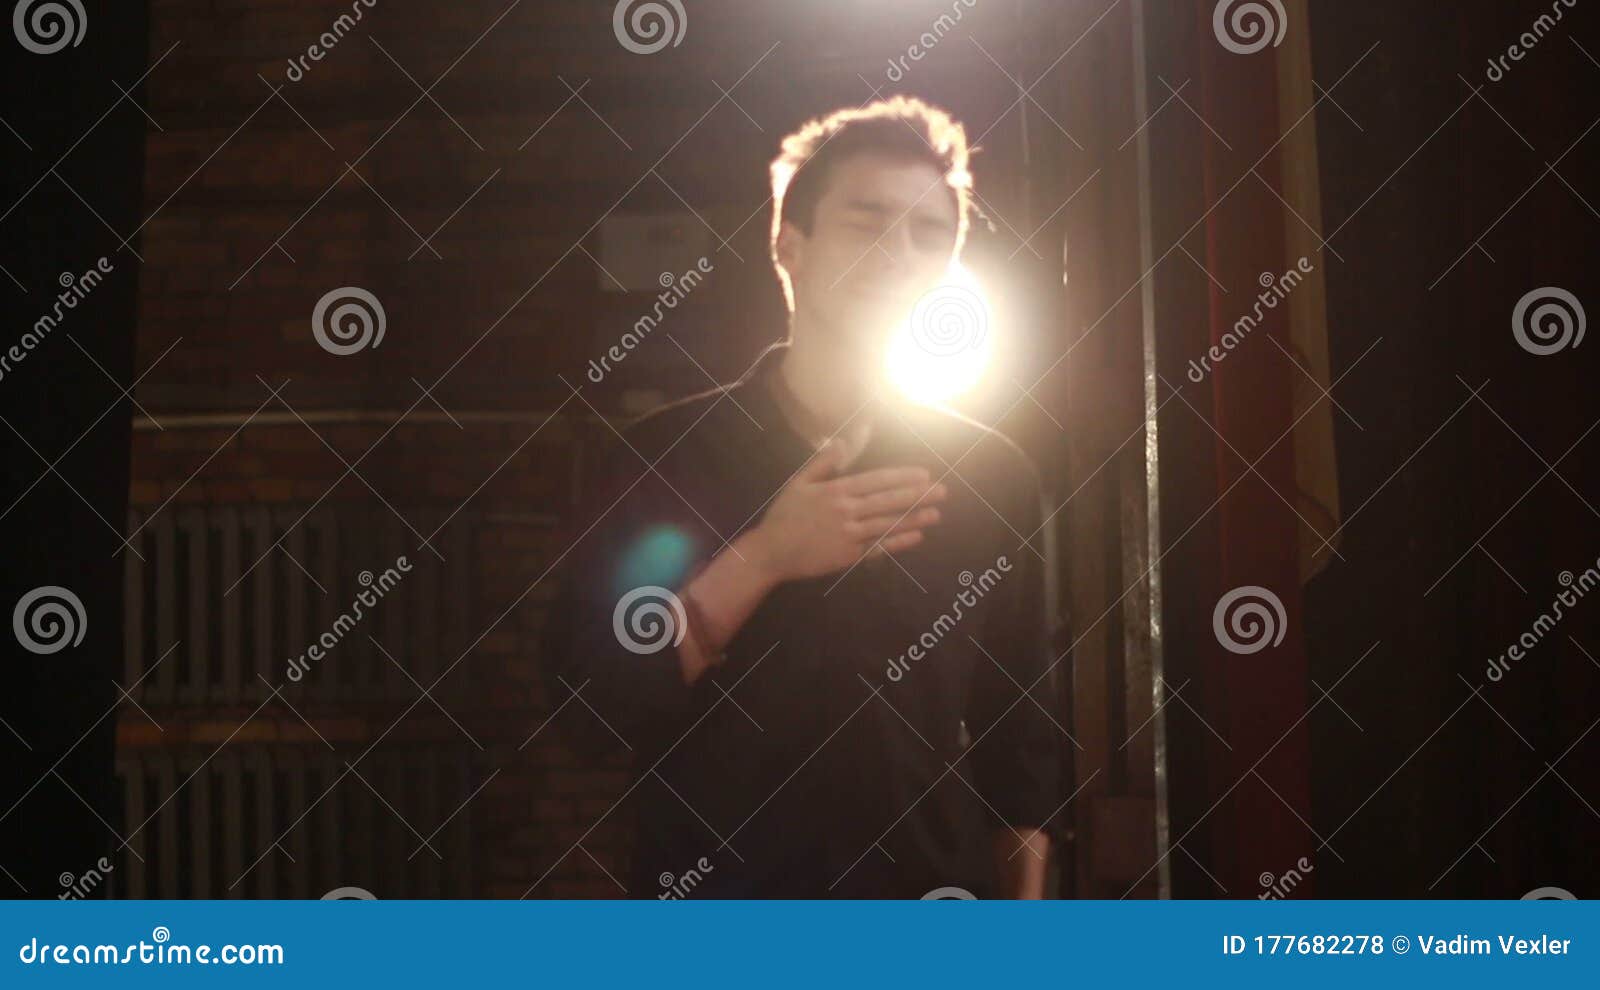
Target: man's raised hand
[(822, 522)]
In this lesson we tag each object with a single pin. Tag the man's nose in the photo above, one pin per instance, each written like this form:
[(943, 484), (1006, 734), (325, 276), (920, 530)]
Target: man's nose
[(897, 246)]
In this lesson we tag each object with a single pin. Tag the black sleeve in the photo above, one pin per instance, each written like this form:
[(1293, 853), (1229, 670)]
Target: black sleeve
[(1014, 716), (609, 655)]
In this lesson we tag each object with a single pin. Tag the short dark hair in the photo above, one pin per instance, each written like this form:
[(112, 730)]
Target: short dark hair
[(900, 126)]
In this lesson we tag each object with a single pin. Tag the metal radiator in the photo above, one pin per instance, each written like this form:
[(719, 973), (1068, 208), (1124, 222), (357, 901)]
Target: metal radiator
[(239, 598), (214, 612), (240, 827)]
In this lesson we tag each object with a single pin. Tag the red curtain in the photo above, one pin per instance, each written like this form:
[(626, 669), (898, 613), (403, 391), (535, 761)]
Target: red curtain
[(1259, 829)]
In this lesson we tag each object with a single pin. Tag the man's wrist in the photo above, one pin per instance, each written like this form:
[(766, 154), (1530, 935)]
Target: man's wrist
[(708, 650), (755, 554)]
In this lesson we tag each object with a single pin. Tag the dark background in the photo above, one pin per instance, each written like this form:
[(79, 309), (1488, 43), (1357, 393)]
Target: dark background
[(257, 474)]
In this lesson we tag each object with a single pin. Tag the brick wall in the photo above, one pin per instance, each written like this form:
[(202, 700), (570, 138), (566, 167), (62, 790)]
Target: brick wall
[(473, 216), (542, 800), (254, 216)]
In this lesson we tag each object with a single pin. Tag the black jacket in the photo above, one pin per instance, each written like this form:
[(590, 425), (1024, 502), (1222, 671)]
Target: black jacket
[(869, 730)]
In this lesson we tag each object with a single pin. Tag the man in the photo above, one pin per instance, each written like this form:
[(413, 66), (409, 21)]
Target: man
[(811, 612)]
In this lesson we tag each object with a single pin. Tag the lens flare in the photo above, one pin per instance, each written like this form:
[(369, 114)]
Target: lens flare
[(943, 347), (659, 556)]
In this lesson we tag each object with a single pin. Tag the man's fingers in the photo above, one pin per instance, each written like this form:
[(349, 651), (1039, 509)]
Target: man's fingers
[(878, 479), (899, 499), (822, 464), (894, 543), (869, 529)]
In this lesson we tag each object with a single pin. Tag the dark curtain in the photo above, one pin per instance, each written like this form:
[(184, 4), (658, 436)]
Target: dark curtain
[(73, 148)]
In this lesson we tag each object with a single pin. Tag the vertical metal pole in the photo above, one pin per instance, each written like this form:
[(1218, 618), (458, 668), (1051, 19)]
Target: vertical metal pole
[(1152, 454)]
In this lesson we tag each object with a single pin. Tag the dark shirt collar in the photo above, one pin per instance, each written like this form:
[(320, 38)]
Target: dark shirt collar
[(896, 430), (756, 379), (754, 394)]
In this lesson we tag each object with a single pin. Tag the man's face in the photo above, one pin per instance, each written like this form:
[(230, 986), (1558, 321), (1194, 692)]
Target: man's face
[(884, 233)]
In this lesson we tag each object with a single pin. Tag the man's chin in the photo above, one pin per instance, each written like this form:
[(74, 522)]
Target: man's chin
[(868, 346), (863, 333), (874, 324), (857, 354)]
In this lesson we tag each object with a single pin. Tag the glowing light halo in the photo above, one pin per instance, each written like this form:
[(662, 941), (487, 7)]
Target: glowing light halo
[(945, 344)]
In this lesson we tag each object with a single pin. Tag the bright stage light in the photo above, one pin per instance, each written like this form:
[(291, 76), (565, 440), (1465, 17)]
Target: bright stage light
[(943, 348)]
